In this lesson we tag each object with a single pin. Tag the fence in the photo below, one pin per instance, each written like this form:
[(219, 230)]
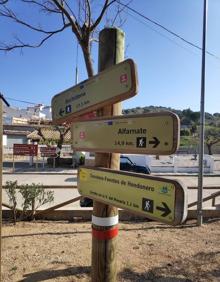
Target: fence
[(55, 213)]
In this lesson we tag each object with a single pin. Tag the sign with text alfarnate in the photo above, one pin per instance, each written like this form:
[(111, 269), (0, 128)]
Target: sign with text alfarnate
[(110, 86), (156, 198), (155, 133)]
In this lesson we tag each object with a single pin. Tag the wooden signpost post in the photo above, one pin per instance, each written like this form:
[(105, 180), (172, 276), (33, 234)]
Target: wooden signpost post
[(157, 133), (2, 99)]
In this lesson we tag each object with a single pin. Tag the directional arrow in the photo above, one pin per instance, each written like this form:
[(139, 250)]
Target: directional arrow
[(165, 209), (155, 142), (61, 112)]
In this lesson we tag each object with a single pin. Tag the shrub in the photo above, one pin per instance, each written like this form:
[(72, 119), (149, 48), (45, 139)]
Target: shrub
[(34, 196), (10, 189)]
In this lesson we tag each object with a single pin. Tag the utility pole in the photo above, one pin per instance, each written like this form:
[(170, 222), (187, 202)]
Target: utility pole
[(105, 218), (2, 99), (202, 119)]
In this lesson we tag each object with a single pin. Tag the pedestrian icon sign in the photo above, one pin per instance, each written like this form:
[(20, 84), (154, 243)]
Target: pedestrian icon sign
[(141, 142), (148, 205), (68, 109)]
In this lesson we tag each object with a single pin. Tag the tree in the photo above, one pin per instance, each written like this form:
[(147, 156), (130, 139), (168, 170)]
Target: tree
[(212, 137), (83, 26), (63, 130)]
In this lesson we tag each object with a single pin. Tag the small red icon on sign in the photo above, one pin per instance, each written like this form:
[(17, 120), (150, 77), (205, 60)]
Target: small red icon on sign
[(123, 78), (82, 135)]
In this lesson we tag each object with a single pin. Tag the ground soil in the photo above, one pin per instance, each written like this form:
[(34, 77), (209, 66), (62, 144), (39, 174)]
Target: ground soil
[(146, 251)]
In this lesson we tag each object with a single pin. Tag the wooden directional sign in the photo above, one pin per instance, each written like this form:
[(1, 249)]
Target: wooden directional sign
[(108, 87), (156, 198), (155, 133)]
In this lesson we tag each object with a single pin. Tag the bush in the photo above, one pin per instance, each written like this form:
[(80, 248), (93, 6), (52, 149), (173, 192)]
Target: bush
[(184, 132), (10, 189), (34, 196)]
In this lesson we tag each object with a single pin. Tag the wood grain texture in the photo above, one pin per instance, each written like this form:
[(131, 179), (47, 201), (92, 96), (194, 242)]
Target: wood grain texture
[(1, 153), (111, 51)]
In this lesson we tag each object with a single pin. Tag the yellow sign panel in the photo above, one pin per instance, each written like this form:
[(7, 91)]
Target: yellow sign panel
[(156, 133), (156, 198), (110, 86)]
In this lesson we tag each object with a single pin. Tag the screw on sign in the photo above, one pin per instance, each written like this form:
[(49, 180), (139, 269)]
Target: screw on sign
[(123, 78), (82, 134)]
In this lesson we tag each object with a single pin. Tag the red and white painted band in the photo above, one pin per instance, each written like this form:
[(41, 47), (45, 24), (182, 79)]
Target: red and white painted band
[(105, 234), (105, 221)]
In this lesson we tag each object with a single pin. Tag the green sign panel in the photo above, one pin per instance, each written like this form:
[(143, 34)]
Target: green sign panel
[(156, 133), (108, 87), (156, 198)]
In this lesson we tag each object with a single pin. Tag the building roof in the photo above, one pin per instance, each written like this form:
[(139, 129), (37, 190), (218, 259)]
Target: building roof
[(16, 132), (49, 134)]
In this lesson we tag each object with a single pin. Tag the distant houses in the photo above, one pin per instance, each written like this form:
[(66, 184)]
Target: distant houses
[(19, 123)]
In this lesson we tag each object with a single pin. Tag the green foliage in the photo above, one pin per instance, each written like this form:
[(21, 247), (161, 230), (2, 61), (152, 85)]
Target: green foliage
[(187, 116), (10, 189), (34, 196), (212, 136), (48, 142), (184, 132)]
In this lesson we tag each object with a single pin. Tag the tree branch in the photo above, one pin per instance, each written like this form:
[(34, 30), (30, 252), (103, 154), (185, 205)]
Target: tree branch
[(11, 15), (89, 13), (5, 47), (98, 20), (75, 27), (44, 7)]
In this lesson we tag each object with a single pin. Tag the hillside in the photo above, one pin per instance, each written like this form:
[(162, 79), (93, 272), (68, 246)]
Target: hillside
[(187, 116)]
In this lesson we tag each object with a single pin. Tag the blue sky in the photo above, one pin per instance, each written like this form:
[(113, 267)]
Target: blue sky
[(169, 70)]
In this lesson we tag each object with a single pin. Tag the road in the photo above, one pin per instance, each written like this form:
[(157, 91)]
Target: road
[(70, 179)]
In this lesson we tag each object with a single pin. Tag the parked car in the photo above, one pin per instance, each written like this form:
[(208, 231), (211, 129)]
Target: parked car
[(126, 165)]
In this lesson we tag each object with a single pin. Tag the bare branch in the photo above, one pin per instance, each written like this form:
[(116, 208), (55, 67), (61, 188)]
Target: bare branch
[(75, 27), (89, 13), (2, 2), (44, 7), (68, 6), (98, 20), (6, 12), (10, 47), (118, 13)]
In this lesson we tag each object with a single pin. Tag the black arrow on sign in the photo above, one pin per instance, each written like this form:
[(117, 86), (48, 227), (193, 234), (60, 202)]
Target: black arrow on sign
[(165, 209), (61, 112), (155, 142)]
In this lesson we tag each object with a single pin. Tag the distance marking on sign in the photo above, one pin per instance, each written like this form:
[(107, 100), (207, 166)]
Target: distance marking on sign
[(110, 86), (155, 133), (156, 198)]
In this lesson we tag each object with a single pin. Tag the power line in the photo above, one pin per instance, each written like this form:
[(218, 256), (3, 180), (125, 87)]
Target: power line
[(160, 33), (22, 101), (166, 29)]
